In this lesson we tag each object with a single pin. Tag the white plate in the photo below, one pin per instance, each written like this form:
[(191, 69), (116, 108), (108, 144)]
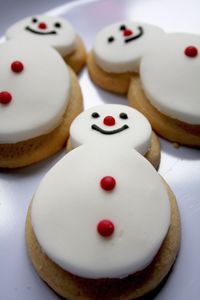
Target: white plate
[(180, 167)]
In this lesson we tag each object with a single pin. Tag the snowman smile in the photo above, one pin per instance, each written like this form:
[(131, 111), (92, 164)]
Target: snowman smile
[(99, 129), (40, 32), (141, 32)]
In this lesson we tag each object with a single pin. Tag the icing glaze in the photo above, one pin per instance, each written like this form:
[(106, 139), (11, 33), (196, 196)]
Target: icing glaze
[(129, 127), (94, 233), (55, 31), (119, 47), (170, 77), (39, 93)]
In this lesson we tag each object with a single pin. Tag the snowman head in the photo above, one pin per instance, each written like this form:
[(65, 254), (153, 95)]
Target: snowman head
[(34, 90), (112, 123), (119, 47), (54, 31)]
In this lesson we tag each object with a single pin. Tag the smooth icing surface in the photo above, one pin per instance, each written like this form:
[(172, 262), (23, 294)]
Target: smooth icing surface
[(54, 31), (70, 204), (133, 131), (39, 92), (119, 47), (170, 77)]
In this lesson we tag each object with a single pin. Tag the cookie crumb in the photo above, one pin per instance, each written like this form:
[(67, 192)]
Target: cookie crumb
[(176, 145)]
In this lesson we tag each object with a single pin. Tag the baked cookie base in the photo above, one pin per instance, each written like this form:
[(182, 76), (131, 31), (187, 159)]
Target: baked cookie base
[(112, 82), (169, 128), (77, 59), (153, 155), (72, 287), (34, 150)]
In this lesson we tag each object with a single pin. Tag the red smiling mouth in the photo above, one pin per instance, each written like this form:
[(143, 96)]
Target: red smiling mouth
[(40, 32)]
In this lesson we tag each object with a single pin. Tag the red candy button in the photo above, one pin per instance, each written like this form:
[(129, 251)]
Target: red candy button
[(105, 228), (17, 66), (5, 97), (42, 26), (108, 183), (128, 32), (109, 121), (191, 51)]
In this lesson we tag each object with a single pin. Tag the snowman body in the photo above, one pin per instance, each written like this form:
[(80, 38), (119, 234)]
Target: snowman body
[(34, 90), (74, 203), (102, 211), (175, 65)]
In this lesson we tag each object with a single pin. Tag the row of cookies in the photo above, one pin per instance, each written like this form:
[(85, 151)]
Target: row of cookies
[(159, 73), (165, 90), (118, 234)]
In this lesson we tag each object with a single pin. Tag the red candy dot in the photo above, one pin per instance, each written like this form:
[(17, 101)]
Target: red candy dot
[(17, 66), (105, 228), (191, 51), (109, 121), (42, 26), (5, 97), (128, 32), (108, 183)]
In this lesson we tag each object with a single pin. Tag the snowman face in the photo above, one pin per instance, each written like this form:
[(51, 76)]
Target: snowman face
[(34, 89), (111, 123), (54, 31), (96, 232), (176, 66), (119, 47)]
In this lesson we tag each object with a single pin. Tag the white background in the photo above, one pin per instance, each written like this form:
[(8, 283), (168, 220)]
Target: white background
[(180, 167)]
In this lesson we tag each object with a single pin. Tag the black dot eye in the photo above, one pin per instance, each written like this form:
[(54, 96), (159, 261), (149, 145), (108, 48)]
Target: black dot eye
[(123, 116), (122, 27), (111, 39), (34, 20), (58, 25), (95, 115)]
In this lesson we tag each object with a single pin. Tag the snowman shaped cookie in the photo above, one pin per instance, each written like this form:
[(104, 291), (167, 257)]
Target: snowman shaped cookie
[(109, 122), (55, 32), (117, 52), (37, 92), (102, 217), (168, 90)]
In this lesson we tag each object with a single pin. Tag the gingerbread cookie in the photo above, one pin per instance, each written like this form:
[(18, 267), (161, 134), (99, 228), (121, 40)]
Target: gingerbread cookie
[(54, 31), (117, 52), (168, 89), (39, 97), (119, 124), (103, 224)]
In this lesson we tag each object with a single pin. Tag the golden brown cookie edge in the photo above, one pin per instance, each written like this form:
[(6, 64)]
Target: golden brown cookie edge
[(169, 128)]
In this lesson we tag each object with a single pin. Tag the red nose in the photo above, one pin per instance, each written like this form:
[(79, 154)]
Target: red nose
[(128, 32), (42, 25), (109, 121)]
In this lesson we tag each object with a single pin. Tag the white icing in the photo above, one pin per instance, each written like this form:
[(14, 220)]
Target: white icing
[(64, 40), (39, 93), (118, 56), (69, 203), (137, 136), (171, 79)]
